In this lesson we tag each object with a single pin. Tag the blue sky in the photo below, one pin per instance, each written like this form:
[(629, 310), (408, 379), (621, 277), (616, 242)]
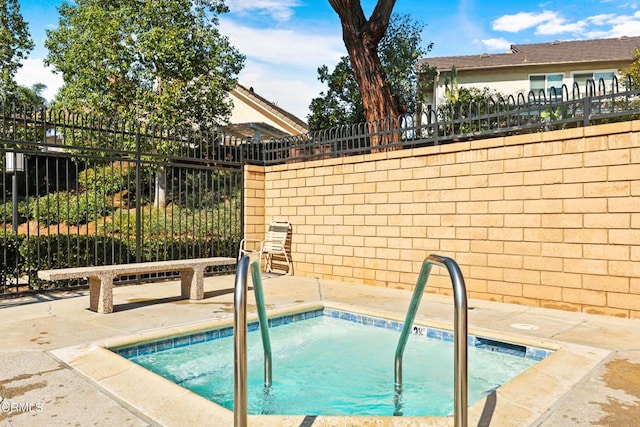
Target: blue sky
[(285, 41)]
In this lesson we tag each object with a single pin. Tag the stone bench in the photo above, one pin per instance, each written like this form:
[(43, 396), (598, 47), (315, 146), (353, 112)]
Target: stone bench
[(101, 277)]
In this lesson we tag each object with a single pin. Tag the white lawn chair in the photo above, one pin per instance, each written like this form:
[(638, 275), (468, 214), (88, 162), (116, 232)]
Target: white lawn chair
[(274, 244)]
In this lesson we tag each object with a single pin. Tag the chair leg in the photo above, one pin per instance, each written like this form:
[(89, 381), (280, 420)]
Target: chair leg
[(267, 263), (289, 265)]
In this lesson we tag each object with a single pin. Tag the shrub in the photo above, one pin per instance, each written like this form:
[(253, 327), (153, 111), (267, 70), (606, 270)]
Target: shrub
[(11, 257), (6, 212), (183, 248), (66, 207), (107, 179), (174, 221), (63, 250)]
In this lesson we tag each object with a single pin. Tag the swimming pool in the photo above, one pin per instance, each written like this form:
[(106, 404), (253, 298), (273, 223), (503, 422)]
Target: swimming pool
[(360, 382), (522, 401)]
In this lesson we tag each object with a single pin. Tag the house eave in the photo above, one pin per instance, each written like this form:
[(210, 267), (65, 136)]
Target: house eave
[(532, 64)]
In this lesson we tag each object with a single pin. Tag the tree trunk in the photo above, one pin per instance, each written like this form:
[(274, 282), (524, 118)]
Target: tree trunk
[(160, 199), (361, 38)]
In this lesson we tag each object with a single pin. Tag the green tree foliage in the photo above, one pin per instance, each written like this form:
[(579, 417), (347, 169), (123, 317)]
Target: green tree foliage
[(15, 45), (341, 104), (31, 96), (470, 109), (634, 70), (161, 61), (399, 51)]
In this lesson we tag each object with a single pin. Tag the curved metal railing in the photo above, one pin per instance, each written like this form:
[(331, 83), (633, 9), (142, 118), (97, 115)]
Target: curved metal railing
[(240, 406), (459, 331), (264, 325)]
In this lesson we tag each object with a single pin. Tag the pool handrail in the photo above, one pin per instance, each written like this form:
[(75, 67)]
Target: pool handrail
[(459, 331), (264, 323), (240, 406)]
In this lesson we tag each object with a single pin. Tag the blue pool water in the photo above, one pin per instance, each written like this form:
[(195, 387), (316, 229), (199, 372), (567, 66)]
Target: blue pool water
[(329, 366)]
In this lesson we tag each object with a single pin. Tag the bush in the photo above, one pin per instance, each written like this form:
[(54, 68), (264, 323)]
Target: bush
[(107, 179), (6, 212), (183, 248), (94, 202), (175, 221), (11, 257), (63, 250), (71, 208), (27, 256)]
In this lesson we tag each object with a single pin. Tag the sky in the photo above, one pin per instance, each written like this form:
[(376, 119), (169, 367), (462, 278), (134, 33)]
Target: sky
[(285, 41)]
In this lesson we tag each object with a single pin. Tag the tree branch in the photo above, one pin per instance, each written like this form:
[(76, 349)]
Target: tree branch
[(379, 20), (350, 13)]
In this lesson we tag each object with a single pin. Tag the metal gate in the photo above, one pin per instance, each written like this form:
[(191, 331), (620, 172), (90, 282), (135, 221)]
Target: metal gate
[(79, 190)]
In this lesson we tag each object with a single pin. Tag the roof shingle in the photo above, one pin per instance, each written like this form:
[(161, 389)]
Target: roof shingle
[(585, 51)]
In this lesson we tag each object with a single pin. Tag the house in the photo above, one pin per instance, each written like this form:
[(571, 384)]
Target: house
[(535, 67), (255, 118)]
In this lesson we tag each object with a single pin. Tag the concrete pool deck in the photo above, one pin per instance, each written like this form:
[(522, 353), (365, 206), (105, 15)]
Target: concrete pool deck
[(52, 372)]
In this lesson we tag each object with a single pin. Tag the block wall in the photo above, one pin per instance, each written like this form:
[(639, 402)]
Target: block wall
[(253, 203), (547, 219)]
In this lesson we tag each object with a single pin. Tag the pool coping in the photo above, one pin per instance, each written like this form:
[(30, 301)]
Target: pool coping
[(520, 401)]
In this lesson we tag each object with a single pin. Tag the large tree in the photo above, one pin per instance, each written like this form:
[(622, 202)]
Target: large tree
[(152, 61), (15, 45), (163, 61), (361, 37), (399, 52)]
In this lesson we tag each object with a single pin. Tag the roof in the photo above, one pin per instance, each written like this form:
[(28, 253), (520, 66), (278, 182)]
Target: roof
[(248, 130), (580, 51), (297, 125)]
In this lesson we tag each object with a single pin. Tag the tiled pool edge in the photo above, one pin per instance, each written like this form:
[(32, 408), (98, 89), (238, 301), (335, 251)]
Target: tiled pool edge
[(522, 401), (519, 350)]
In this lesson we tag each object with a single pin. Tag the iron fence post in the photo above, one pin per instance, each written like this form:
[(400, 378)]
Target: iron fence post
[(586, 111), (138, 201)]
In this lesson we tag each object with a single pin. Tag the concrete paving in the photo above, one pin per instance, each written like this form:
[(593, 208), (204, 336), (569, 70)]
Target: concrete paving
[(54, 374)]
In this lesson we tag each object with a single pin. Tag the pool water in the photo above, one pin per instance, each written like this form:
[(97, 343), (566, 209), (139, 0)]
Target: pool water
[(328, 366)]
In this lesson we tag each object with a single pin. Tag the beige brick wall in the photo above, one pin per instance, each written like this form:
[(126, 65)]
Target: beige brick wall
[(549, 219), (254, 203)]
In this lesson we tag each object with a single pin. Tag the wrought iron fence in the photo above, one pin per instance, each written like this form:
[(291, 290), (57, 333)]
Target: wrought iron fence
[(533, 112), (78, 190)]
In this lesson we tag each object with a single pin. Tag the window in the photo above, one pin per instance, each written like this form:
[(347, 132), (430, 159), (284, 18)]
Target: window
[(582, 78), (544, 82)]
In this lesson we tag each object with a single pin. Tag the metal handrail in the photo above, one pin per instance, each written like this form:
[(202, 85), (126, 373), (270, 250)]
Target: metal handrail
[(264, 325), (459, 332), (240, 344)]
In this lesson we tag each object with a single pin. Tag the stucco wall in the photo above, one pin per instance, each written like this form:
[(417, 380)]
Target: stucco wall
[(515, 80), (549, 219)]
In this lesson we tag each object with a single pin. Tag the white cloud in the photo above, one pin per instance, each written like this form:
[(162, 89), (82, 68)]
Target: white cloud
[(280, 10), (284, 47), (289, 90), (552, 23), (33, 71), (560, 25), (601, 19), (282, 64), (625, 26), (522, 21), (496, 44)]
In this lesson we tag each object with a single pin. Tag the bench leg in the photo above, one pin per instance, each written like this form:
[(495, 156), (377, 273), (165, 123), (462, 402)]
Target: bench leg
[(192, 283), (101, 294)]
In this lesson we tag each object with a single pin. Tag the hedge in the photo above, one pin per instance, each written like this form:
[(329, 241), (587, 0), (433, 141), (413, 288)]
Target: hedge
[(25, 256)]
